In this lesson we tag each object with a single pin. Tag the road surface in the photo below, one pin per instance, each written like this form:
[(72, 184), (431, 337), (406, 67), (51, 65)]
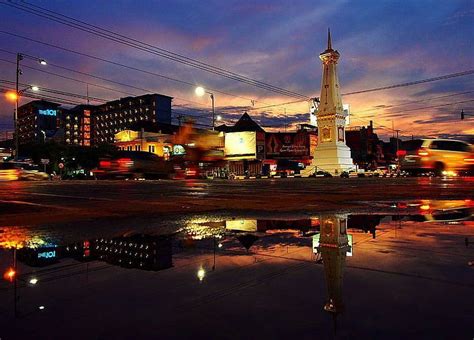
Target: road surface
[(34, 203)]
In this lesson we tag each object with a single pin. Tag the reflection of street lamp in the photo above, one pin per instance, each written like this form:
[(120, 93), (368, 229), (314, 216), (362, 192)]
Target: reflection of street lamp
[(201, 91), (201, 273), (18, 93)]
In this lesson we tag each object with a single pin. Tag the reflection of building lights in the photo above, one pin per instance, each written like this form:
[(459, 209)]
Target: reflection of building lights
[(201, 273), (41, 307)]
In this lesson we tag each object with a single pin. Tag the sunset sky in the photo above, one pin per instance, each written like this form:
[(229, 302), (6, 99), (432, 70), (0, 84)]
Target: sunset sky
[(277, 42)]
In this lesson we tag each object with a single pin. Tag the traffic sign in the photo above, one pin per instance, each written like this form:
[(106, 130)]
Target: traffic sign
[(44, 161), (61, 165)]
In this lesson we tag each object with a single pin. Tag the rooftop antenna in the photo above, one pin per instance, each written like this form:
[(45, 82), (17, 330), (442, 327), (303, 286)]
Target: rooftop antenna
[(87, 93)]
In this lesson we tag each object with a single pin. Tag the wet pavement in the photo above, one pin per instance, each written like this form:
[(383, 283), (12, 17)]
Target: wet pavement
[(381, 269), (28, 203)]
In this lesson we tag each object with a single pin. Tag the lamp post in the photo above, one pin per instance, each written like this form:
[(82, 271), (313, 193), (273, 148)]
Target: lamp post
[(201, 91), (18, 93)]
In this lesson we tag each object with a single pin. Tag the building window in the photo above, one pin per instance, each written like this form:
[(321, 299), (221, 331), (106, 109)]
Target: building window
[(137, 147), (151, 148)]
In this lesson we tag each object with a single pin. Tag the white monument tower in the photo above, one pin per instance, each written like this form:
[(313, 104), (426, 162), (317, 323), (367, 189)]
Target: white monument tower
[(331, 154)]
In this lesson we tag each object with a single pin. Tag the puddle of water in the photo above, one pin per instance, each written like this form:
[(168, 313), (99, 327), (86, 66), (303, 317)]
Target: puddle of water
[(411, 243)]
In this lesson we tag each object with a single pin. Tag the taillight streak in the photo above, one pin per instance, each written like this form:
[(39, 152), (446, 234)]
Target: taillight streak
[(105, 164), (125, 162)]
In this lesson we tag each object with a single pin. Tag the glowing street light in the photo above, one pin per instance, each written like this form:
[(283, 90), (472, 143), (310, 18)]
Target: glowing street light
[(201, 91), (11, 95), (34, 88), (33, 281)]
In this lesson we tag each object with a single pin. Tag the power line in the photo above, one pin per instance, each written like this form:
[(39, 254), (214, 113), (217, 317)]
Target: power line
[(137, 44), (433, 106), (123, 65), (416, 82), (59, 92), (89, 75), (414, 102), (443, 77), (45, 97)]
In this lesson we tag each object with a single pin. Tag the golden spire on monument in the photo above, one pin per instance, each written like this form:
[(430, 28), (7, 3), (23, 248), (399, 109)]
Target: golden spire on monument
[(331, 101)]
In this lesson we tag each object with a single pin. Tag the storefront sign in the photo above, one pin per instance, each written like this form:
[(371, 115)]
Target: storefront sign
[(47, 112)]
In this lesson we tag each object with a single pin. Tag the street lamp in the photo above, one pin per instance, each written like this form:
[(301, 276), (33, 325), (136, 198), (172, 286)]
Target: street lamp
[(20, 57), (201, 91)]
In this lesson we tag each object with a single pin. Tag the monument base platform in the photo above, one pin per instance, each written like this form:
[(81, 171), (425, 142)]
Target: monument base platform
[(334, 159)]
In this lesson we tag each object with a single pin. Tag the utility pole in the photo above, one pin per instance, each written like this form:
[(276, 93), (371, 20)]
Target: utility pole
[(17, 93), (398, 148), (87, 93)]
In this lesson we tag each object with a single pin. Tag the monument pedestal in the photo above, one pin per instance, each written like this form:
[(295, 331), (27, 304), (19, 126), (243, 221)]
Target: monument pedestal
[(334, 159)]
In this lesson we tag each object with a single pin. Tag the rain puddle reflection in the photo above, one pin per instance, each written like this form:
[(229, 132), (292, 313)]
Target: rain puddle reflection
[(425, 241)]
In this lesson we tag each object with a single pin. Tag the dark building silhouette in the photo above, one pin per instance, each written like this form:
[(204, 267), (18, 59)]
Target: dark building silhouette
[(364, 143)]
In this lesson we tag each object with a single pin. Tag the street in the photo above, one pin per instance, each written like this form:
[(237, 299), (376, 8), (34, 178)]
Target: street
[(37, 203)]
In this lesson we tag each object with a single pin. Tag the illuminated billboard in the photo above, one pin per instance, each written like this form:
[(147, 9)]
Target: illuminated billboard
[(240, 145)]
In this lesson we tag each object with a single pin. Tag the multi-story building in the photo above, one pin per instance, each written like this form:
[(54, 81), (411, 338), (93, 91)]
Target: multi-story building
[(77, 125), (37, 121), (122, 114)]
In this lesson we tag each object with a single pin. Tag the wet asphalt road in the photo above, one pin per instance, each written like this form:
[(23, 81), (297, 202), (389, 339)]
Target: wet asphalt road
[(66, 201)]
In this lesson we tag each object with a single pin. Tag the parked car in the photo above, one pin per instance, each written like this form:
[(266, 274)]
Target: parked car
[(13, 171), (321, 173), (134, 164), (441, 156)]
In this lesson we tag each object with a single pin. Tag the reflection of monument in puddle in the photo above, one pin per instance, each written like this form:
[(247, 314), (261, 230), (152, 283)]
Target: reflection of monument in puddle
[(334, 247)]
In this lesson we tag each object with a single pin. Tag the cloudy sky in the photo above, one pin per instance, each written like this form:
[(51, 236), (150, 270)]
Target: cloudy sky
[(381, 43)]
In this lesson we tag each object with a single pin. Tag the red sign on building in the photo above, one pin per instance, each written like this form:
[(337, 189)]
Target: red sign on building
[(287, 145)]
